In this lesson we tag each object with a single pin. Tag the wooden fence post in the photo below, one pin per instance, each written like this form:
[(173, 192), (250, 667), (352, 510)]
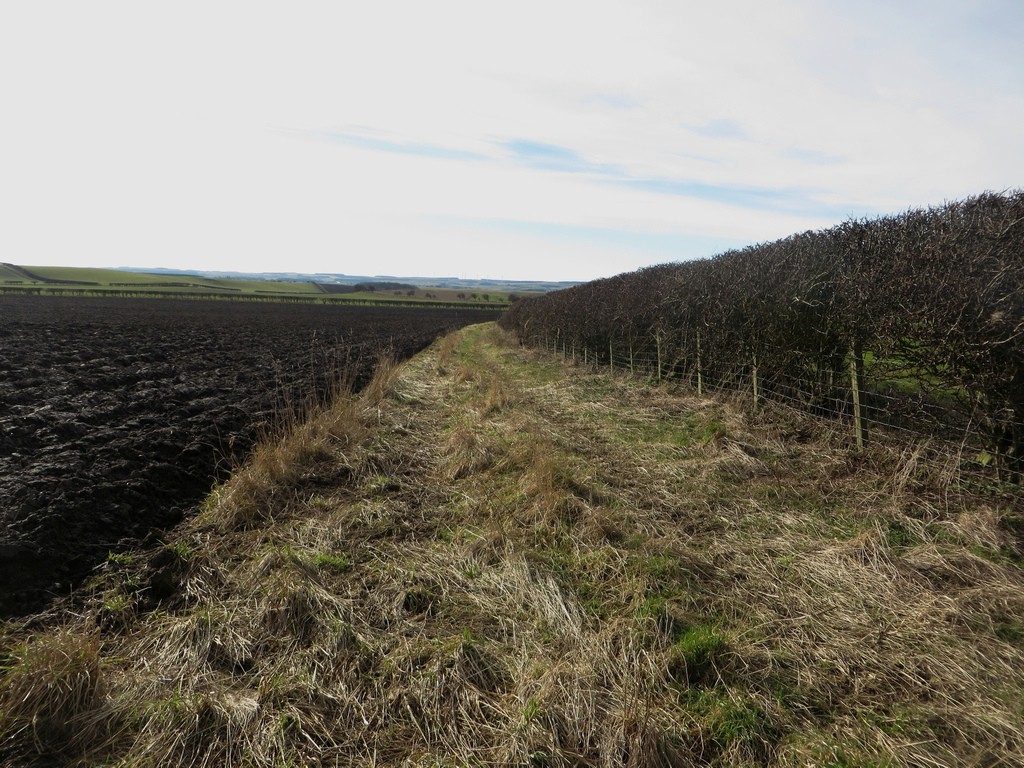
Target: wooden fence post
[(860, 429), (611, 356), (657, 345), (632, 370), (753, 379), (700, 373)]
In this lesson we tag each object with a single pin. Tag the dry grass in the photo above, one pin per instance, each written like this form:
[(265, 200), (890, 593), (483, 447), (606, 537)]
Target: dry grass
[(52, 693), (260, 490), (491, 558)]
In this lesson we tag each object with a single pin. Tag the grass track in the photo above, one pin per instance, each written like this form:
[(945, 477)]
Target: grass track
[(492, 558)]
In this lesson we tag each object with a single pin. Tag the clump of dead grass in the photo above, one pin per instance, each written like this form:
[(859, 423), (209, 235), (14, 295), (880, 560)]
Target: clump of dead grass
[(261, 489), (445, 348), (53, 694), (467, 451), (495, 396)]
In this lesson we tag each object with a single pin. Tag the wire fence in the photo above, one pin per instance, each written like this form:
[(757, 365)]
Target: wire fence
[(878, 403)]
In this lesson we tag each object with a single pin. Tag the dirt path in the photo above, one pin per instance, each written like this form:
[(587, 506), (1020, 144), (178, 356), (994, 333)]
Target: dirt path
[(496, 558)]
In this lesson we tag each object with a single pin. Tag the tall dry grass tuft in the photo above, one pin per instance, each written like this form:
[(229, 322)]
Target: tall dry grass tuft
[(445, 349), (259, 492), (495, 396), (53, 696), (466, 452)]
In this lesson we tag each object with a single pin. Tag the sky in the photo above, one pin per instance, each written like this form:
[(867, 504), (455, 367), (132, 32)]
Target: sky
[(553, 140)]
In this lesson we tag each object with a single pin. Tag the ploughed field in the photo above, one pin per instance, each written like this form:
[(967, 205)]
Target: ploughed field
[(117, 415)]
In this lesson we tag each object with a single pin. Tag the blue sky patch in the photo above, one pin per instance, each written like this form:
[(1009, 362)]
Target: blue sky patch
[(722, 129), (548, 157), (402, 148)]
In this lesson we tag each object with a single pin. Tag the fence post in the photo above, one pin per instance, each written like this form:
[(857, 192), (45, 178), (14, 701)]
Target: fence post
[(860, 429), (700, 373), (631, 369), (584, 355), (611, 356), (657, 345), (753, 379)]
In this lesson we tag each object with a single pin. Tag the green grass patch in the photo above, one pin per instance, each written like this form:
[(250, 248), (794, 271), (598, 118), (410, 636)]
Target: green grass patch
[(1002, 555), (734, 722), (696, 653), (338, 562), (898, 536)]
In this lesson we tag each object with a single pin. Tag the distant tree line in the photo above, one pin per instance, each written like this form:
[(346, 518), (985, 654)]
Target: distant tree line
[(371, 287), (930, 301)]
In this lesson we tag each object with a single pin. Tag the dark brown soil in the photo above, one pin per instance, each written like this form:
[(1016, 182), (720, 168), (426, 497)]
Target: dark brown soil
[(117, 415)]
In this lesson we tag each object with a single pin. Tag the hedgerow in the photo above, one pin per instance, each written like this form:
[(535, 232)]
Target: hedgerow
[(923, 312)]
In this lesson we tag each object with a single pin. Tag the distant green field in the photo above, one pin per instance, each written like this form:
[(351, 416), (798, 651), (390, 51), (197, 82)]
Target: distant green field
[(113, 278), (99, 276), (84, 281), (8, 274)]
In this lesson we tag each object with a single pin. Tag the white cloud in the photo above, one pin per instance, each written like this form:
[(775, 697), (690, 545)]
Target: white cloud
[(198, 134)]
